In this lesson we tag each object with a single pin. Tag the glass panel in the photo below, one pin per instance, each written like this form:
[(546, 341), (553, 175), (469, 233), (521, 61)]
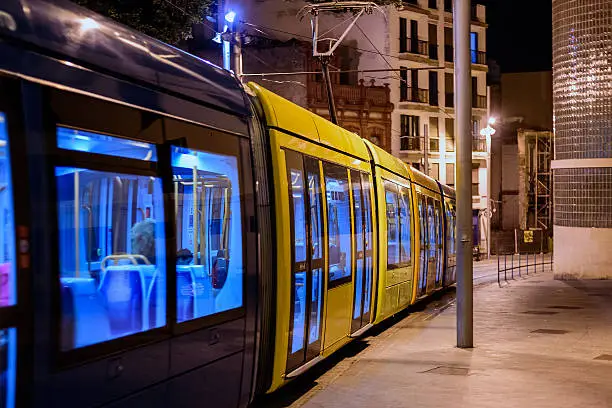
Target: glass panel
[(209, 233), (299, 220), (393, 253), (405, 226), (89, 142), (112, 255), (367, 209), (431, 233), (339, 230), (423, 241), (8, 292), (314, 195), (316, 305), (299, 312), (359, 241), (8, 362)]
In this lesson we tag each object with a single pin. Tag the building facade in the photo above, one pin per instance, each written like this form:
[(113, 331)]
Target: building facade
[(582, 169)]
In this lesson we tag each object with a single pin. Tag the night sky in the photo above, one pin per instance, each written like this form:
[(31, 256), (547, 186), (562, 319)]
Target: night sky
[(520, 34)]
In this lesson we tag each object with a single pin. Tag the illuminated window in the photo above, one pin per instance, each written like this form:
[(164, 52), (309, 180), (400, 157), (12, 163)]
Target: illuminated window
[(8, 293), (209, 233), (112, 255), (338, 222)]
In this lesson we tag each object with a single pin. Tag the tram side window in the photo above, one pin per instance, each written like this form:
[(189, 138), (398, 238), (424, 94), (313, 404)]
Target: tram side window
[(209, 233), (111, 250), (405, 222), (7, 237), (393, 229), (338, 222)]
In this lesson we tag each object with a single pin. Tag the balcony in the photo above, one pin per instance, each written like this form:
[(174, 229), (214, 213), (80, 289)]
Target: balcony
[(350, 95), (478, 57), (411, 143), (433, 51), (449, 55), (410, 94), (414, 46), (479, 144), (449, 100), (479, 102)]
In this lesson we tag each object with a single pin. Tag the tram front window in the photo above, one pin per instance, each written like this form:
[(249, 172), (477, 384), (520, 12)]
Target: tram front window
[(209, 233), (338, 222), (7, 236)]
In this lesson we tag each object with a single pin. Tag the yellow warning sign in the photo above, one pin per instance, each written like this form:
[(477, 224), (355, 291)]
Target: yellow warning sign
[(528, 237)]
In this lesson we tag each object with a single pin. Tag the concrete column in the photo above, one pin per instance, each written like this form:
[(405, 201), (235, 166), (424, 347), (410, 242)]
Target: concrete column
[(582, 176)]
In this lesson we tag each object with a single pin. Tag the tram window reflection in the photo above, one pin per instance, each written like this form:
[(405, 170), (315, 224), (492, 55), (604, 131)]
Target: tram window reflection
[(393, 238), (8, 291), (338, 221), (8, 360), (405, 226), (112, 255), (89, 142), (209, 233)]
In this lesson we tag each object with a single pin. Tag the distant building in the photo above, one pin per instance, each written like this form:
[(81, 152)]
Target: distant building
[(521, 153)]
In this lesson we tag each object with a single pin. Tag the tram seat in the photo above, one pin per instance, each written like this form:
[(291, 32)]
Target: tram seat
[(219, 269), (123, 289), (84, 318), (186, 294), (5, 284)]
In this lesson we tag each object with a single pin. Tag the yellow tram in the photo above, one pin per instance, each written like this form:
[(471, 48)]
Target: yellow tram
[(360, 235)]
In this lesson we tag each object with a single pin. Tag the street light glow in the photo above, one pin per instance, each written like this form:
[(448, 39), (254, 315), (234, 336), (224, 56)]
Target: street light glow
[(492, 121), (230, 16), (89, 24)]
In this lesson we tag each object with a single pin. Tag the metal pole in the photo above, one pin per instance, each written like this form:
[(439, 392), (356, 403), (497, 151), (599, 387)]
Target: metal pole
[(426, 151), (489, 198), (238, 55), (463, 104), (516, 251), (330, 91)]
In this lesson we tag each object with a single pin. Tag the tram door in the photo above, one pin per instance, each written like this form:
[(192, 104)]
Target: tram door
[(432, 252), (307, 259), (422, 202), (439, 243), (363, 249)]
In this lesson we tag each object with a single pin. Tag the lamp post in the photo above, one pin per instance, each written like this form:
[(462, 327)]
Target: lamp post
[(488, 132)]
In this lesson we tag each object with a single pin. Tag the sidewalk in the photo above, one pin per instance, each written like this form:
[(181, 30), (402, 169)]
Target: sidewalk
[(537, 344)]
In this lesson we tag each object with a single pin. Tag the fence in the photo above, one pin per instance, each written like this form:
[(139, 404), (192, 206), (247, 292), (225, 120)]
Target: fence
[(525, 262)]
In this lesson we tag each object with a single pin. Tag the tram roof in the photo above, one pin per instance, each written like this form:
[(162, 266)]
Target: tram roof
[(83, 37), (424, 180), (383, 159), (285, 115), (448, 191)]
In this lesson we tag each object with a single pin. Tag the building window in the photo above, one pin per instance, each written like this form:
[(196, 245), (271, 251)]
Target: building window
[(403, 84), (448, 5), (449, 90), (448, 44), (403, 35), (450, 174), (435, 171), (433, 88), (434, 134), (433, 4), (474, 47), (449, 124), (410, 137), (475, 179)]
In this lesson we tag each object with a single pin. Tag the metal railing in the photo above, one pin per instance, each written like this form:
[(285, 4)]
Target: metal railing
[(410, 94), (528, 262), (479, 143), (411, 143), (478, 57), (479, 101)]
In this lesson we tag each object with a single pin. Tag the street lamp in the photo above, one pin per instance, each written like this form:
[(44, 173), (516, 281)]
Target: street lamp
[(488, 132)]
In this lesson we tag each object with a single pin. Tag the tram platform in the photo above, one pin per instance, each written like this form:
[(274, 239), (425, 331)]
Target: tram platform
[(538, 343)]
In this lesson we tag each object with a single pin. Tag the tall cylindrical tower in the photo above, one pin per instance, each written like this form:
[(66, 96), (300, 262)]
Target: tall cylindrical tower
[(582, 169)]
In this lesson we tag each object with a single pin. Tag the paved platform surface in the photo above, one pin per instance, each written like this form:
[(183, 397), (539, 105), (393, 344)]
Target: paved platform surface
[(538, 343)]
